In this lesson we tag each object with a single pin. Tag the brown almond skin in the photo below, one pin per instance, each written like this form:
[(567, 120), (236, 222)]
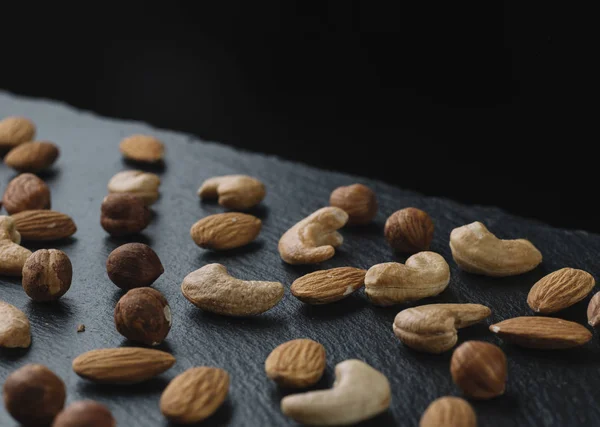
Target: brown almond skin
[(142, 148), (225, 230), (559, 290), (124, 365), (143, 315), (479, 369), (359, 202), (449, 411), (593, 311), (194, 395), (15, 130), (327, 286), (47, 275), (124, 214), (297, 363), (32, 156), (133, 265), (539, 332), (44, 225), (85, 413), (26, 192), (409, 230), (33, 395)]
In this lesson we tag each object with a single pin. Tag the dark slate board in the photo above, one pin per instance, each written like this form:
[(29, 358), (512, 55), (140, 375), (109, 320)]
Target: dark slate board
[(560, 388)]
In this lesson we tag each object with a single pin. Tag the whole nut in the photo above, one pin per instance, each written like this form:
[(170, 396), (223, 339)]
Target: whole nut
[(449, 411), (326, 286), (14, 131), (225, 230), (238, 192), (409, 230), (26, 192), (44, 225), (32, 156), (143, 315), (34, 395), (479, 369), (559, 290), (144, 185), (47, 275), (15, 331), (593, 311), (8, 229), (358, 201), (142, 148), (133, 265), (12, 258), (124, 214), (297, 363), (85, 413)]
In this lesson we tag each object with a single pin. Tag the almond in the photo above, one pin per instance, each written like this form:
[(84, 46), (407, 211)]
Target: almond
[(14, 131), (325, 286), (142, 148), (26, 192), (194, 395), (32, 156), (560, 290), (15, 330), (44, 225), (542, 332), (126, 365), (297, 363), (225, 230), (593, 311), (409, 230), (449, 411)]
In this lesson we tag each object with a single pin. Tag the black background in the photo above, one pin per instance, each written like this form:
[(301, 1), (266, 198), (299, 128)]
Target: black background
[(483, 102)]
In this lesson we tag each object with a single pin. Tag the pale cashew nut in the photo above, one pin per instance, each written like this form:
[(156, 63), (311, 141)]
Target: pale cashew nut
[(143, 185), (433, 328), (476, 250), (424, 274), (15, 330), (359, 392), (12, 255), (233, 191), (8, 230), (315, 238), (212, 289)]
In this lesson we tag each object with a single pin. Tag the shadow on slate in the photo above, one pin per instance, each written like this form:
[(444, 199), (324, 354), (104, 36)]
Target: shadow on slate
[(544, 388)]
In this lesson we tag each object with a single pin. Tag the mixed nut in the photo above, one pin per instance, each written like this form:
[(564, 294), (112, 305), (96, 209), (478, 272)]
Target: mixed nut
[(143, 316)]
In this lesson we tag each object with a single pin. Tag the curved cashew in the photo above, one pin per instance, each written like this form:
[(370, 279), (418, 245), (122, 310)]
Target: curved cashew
[(432, 328), (425, 274), (315, 238), (212, 289), (141, 184), (476, 250), (8, 230), (12, 255), (233, 191), (15, 330), (360, 392)]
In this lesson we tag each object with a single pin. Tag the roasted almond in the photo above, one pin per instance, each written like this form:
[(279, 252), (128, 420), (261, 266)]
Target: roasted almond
[(449, 411), (32, 156), (142, 148), (14, 131), (559, 290), (15, 330), (325, 286), (126, 365), (225, 230), (44, 225), (542, 332), (26, 192), (194, 395), (297, 363), (593, 311)]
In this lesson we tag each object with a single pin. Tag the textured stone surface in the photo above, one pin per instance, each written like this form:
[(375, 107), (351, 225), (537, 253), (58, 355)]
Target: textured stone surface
[(555, 388)]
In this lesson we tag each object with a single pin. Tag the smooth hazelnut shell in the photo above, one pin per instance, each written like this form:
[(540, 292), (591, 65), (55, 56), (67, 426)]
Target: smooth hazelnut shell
[(133, 265), (124, 214), (140, 316)]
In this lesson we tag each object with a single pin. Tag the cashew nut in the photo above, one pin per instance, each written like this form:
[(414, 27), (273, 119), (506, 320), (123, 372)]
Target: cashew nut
[(15, 330), (360, 392), (8, 230), (212, 289), (143, 185), (476, 250), (12, 255), (233, 191), (315, 238), (424, 274), (432, 328)]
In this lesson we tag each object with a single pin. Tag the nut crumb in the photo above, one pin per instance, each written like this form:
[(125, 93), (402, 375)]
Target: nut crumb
[(81, 328)]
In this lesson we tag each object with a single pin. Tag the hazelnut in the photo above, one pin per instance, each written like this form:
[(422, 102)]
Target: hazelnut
[(479, 369), (123, 214), (143, 315), (409, 230), (359, 202), (33, 395), (14, 131), (47, 275), (85, 413), (26, 192), (133, 265)]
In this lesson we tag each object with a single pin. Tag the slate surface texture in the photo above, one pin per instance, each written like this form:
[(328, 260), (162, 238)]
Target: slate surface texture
[(551, 388)]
